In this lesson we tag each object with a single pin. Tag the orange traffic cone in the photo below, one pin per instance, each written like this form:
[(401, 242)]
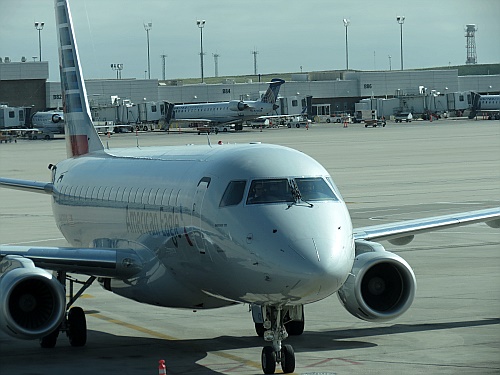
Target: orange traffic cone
[(162, 369)]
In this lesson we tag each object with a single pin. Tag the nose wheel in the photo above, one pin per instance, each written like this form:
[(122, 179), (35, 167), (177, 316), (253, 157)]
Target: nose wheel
[(275, 332)]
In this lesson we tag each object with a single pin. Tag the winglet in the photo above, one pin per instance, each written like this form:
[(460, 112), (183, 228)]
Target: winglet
[(271, 94), (81, 136)]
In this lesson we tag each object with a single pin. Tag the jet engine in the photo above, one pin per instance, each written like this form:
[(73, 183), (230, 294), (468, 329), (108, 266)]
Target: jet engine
[(381, 285), (32, 300), (237, 105), (56, 118)]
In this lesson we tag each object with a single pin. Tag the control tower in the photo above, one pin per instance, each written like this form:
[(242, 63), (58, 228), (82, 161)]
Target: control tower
[(470, 35)]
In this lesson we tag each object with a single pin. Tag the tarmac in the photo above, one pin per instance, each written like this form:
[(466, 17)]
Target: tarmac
[(403, 171)]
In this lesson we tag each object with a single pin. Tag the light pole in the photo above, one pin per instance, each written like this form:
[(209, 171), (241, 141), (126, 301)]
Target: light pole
[(255, 53), (390, 62), (118, 68), (347, 22), (201, 25), (39, 27), (148, 26), (401, 20), (163, 65)]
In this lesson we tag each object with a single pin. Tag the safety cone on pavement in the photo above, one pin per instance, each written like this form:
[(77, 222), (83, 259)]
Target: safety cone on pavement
[(162, 369)]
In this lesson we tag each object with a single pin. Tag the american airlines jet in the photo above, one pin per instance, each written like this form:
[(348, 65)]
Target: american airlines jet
[(200, 227), (233, 111)]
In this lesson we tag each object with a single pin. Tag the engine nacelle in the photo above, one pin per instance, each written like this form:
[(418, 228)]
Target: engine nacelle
[(381, 285), (32, 301), (56, 118), (237, 105)]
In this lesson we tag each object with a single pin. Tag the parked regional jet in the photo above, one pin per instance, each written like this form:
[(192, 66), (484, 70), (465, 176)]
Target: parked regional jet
[(200, 227), (234, 111), (487, 105), (50, 121)]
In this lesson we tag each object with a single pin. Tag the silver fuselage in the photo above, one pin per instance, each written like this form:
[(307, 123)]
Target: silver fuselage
[(221, 112), (164, 203)]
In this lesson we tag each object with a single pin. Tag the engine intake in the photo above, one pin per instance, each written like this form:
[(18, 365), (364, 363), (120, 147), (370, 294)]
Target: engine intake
[(56, 118), (32, 301), (381, 285)]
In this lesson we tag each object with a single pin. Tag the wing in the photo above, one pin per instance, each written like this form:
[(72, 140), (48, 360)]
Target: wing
[(26, 185), (401, 233), (104, 262), (117, 263)]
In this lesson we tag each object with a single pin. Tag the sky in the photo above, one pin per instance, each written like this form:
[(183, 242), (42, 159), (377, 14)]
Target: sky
[(289, 35)]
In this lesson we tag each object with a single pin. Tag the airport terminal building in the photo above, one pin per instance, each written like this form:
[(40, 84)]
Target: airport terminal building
[(24, 84)]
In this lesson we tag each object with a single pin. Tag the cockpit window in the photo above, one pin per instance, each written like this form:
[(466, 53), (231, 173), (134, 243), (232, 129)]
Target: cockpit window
[(269, 191), (233, 194), (290, 190), (315, 189)]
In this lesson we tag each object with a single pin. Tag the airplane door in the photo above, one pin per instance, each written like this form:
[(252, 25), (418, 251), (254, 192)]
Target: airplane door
[(197, 208)]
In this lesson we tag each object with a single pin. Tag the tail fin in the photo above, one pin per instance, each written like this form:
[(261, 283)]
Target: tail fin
[(271, 94), (81, 136)]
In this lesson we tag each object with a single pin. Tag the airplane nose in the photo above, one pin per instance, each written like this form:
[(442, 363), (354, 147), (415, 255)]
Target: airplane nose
[(322, 265)]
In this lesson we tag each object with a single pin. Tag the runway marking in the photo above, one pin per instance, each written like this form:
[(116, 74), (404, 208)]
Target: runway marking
[(331, 359), (134, 327), (34, 241), (235, 358), (349, 361), (320, 362), (84, 295), (172, 338)]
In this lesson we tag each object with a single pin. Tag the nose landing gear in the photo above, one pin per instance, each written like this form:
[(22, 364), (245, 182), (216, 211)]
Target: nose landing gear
[(275, 332)]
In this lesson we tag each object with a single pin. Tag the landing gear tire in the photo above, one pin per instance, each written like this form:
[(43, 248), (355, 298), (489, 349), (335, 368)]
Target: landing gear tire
[(50, 340), (294, 327), (259, 329), (287, 359), (268, 360), (77, 327)]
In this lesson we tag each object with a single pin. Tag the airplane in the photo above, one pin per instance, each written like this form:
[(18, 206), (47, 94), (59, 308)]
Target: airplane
[(200, 227), (49, 121), (234, 111), (488, 105)]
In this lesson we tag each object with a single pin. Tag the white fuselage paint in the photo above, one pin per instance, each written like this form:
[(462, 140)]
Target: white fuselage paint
[(221, 112), (195, 253), (489, 102)]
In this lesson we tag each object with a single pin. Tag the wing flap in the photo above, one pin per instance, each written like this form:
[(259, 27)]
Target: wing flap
[(406, 229), (116, 263)]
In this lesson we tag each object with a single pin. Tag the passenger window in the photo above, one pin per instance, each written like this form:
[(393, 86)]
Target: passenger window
[(78, 192), (233, 194)]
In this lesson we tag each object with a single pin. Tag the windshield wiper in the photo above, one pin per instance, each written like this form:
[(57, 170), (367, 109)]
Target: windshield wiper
[(297, 197)]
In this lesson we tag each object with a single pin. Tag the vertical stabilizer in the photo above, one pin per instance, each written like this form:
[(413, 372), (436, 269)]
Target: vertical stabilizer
[(81, 136), (271, 94)]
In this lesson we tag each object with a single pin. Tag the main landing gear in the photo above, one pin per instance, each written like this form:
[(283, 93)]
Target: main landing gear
[(75, 324), (277, 324)]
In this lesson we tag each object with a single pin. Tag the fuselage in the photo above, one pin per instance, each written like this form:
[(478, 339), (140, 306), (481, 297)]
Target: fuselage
[(223, 112), (52, 121), (491, 102), (187, 211)]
